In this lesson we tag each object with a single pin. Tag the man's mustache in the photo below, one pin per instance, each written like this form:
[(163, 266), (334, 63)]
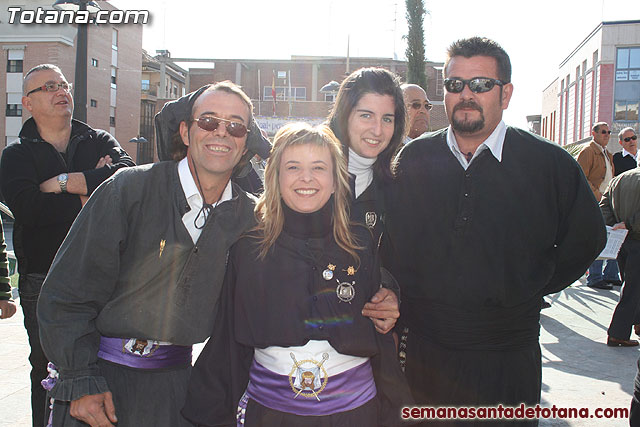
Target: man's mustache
[(467, 104)]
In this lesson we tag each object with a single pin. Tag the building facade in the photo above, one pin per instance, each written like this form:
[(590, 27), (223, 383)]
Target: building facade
[(113, 70), (298, 84), (154, 95), (598, 82)]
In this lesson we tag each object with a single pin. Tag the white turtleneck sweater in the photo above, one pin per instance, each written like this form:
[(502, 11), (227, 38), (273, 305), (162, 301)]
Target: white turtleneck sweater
[(361, 168)]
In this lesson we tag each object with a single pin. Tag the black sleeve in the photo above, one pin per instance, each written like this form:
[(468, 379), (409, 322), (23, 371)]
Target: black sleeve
[(5, 285), (120, 159), (80, 282), (21, 190), (221, 373), (581, 234)]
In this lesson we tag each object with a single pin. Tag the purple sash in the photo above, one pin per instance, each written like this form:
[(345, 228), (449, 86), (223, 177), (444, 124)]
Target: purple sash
[(144, 354), (342, 392)]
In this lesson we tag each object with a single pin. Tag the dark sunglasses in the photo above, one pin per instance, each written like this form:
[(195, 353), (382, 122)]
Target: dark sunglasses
[(52, 87), (476, 84), (634, 137), (211, 123), (416, 105), (605, 132)]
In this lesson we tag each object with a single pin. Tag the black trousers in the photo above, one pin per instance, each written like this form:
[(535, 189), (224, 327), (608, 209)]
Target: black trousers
[(29, 288), (626, 311)]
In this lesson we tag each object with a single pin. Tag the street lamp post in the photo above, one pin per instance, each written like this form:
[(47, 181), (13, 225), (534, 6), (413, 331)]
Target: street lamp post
[(141, 145), (80, 83)]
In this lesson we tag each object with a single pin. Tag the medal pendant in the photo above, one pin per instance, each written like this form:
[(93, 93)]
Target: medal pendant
[(345, 291), (327, 274)]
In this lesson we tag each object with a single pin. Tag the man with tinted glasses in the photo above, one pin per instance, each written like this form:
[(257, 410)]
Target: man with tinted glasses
[(627, 158), (418, 107), (484, 220), (47, 175), (597, 164), (136, 281)]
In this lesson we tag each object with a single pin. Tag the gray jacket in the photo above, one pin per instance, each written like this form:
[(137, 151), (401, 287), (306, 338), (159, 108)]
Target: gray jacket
[(128, 268), (621, 202)]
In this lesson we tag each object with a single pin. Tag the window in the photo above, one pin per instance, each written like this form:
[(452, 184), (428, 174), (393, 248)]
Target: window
[(330, 97), (626, 111), (113, 77), (114, 39), (595, 58), (14, 110), (628, 64), (282, 93), (94, 103), (282, 74), (439, 82), (145, 84), (94, 62), (112, 116), (14, 65)]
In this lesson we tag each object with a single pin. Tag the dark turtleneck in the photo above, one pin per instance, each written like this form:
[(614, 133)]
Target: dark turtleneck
[(308, 225)]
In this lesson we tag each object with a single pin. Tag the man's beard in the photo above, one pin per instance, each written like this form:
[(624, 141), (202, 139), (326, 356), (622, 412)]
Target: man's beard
[(467, 126)]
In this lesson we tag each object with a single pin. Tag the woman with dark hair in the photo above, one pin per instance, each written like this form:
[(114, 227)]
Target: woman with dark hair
[(369, 118), (290, 346)]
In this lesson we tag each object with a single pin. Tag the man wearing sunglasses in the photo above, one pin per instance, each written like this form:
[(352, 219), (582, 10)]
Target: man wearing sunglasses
[(136, 282), (47, 175), (418, 108), (627, 158), (483, 221), (597, 164)]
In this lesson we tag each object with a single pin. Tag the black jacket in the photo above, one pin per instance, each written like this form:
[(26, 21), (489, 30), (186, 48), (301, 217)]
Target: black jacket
[(43, 219), (129, 268), (283, 300)]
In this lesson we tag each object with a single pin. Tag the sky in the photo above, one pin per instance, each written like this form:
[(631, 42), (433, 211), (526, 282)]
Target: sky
[(538, 35)]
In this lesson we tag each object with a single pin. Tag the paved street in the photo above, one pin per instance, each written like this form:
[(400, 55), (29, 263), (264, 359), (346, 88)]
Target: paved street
[(579, 370)]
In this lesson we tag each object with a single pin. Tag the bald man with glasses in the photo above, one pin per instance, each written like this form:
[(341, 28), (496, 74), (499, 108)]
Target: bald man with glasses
[(627, 158), (46, 177), (418, 108)]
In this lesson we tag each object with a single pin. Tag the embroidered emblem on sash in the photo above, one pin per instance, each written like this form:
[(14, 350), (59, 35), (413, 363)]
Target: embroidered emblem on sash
[(140, 348), (370, 219), (308, 378)]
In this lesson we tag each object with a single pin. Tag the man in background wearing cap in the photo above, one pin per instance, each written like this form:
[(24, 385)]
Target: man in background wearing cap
[(136, 282)]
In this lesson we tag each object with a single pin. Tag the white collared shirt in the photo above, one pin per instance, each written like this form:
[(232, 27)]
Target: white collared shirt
[(495, 143), (194, 199), (626, 153)]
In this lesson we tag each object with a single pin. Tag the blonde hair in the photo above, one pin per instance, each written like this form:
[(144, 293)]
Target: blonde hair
[(269, 212)]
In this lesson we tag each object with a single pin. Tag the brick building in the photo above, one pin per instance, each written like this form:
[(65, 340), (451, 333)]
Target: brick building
[(598, 81), (298, 83), (154, 96), (113, 70)]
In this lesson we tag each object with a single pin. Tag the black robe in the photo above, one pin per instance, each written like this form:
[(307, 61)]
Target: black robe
[(283, 300), (474, 252)]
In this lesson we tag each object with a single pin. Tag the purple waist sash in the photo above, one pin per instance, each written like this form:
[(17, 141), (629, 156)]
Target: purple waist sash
[(307, 392), (143, 354)]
